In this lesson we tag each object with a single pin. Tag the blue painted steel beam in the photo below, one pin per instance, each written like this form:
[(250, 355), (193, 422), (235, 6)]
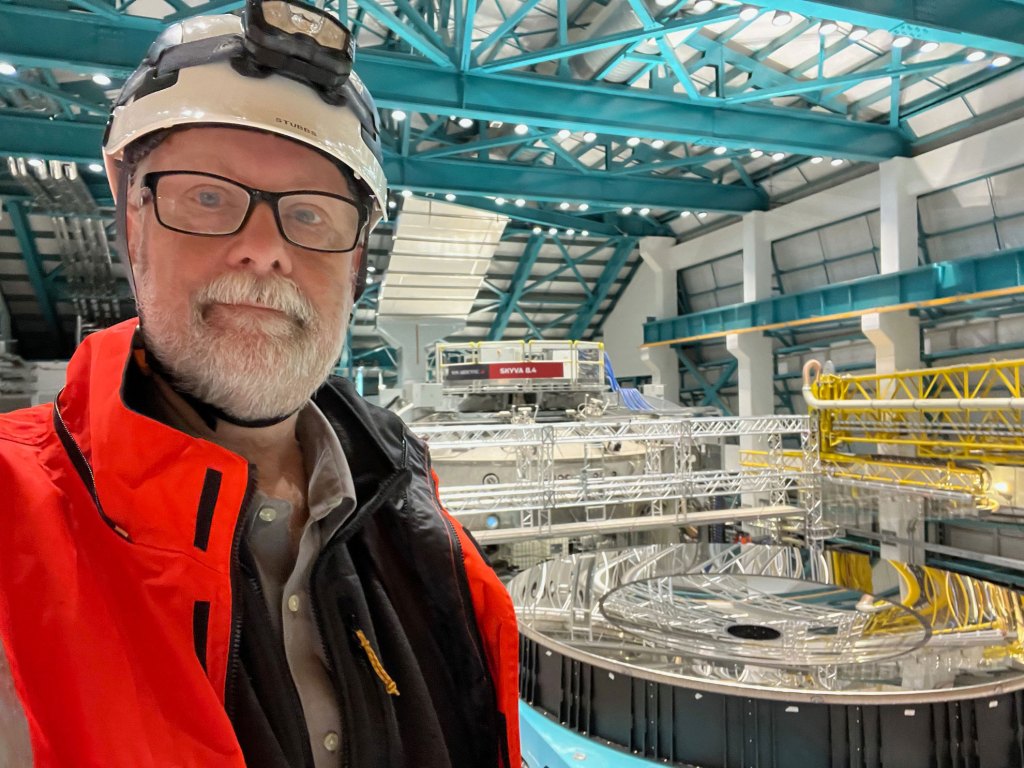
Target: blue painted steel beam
[(604, 284), (992, 25), (407, 33), (34, 268), (516, 289), (76, 41), (1000, 273), (711, 391)]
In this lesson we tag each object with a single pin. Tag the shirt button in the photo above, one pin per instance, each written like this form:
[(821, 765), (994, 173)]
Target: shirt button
[(331, 742), (267, 514), (293, 603)]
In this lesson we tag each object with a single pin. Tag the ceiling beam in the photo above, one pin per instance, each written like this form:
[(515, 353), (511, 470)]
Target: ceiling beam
[(84, 42)]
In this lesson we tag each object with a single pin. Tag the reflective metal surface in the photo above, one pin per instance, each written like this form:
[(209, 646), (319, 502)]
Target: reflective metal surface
[(744, 619)]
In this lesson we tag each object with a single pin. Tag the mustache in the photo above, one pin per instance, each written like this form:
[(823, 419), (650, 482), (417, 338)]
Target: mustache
[(278, 293)]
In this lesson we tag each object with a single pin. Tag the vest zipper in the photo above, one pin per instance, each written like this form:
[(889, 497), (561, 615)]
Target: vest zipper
[(235, 641), (82, 465)]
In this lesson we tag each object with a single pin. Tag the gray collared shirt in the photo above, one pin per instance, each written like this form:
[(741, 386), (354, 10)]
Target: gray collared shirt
[(284, 574)]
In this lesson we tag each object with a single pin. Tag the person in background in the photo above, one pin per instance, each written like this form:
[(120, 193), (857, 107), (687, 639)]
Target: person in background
[(215, 554)]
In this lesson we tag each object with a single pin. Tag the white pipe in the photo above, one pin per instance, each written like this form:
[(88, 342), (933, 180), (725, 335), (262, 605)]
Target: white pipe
[(907, 404)]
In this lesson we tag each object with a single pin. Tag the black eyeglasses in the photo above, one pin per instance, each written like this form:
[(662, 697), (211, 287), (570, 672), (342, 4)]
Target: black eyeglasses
[(212, 206)]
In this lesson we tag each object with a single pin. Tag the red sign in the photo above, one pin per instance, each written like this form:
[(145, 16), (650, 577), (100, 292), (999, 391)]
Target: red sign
[(544, 370)]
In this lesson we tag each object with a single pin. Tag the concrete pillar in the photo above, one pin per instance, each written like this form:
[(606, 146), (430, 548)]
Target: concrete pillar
[(755, 396), (897, 215), (662, 361), (757, 258)]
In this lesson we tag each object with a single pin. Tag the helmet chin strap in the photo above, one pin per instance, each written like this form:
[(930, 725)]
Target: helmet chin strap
[(209, 413)]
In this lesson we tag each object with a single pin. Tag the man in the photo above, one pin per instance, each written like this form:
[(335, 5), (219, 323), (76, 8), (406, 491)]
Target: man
[(200, 564)]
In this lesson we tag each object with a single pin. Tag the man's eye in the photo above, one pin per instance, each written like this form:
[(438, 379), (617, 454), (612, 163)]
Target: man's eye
[(209, 198), (306, 216)]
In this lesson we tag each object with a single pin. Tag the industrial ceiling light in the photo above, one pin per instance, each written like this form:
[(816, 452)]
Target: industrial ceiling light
[(779, 156), (570, 232), (626, 209), (406, 193), (749, 12), (858, 33), (95, 167), (816, 160), (450, 197), (663, 3), (684, 214), (537, 230), (465, 122), (1001, 61), (563, 205), (781, 18), (583, 206), (520, 202), (836, 162), (756, 153), (521, 129), (974, 56), (100, 79), (7, 69), (392, 204), (552, 231), (564, 134), (644, 211), (35, 162), (929, 46), (371, 268), (721, 150), (901, 41), (499, 201), (632, 141), (827, 27), (584, 233), (398, 115), (658, 143), (703, 6), (702, 215), (589, 136), (369, 280)]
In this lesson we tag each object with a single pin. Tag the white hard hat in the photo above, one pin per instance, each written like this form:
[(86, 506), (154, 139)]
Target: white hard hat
[(201, 72)]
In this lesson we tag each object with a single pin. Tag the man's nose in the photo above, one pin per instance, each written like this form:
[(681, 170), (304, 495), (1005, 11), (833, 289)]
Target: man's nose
[(259, 245)]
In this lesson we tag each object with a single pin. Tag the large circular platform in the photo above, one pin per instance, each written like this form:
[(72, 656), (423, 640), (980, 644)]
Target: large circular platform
[(715, 655)]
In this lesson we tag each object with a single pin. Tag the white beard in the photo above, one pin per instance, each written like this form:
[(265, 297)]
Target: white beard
[(251, 365)]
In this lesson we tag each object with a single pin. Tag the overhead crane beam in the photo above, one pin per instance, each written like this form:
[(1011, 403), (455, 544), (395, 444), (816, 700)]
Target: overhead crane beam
[(83, 42)]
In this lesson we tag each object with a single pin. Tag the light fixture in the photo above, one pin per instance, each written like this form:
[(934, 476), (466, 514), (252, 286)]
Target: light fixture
[(816, 160), (684, 214), (552, 231), (781, 18), (35, 162), (644, 211), (392, 204), (583, 206), (95, 167), (1001, 61), (749, 12), (836, 162), (827, 27), (858, 33), (703, 6), (658, 143), (398, 115), (570, 232), (975, 56), (721, 150), (564, 134), (779, 156), (632, 141), (7, 69), (520, 202), (465, 122), (499, 201), (589, 136), (756, 153), (702, 215), (929, 46), (663, 3), (450, 197), (406, 193), (901, 41), (563, 205), (100, 79), (521, 129), (537, 230), (369, 280), (584, 233), (627, 209), (371, 268)]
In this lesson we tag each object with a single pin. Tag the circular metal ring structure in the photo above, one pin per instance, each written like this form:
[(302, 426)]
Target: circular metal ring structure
[(732, 656)]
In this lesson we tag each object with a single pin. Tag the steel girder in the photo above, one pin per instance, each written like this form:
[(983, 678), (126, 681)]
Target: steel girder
[(34, 267)]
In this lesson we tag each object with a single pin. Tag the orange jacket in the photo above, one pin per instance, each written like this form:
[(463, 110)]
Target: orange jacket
[(120, 589)]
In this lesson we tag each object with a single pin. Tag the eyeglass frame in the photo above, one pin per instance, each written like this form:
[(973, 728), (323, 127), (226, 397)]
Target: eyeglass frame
[(150, 180)]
